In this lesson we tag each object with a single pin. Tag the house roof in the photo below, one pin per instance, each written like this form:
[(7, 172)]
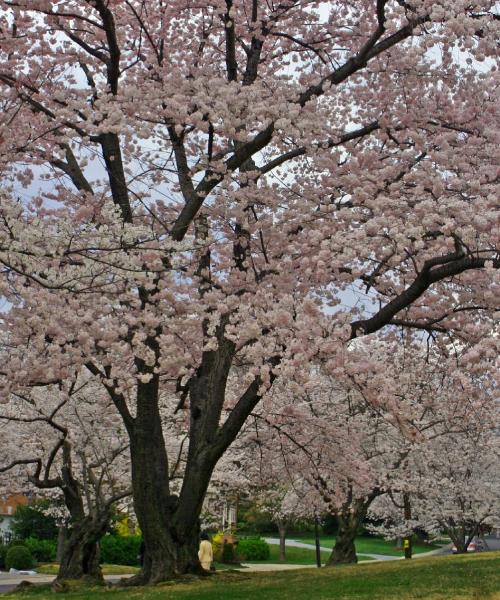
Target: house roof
[(8, 504)]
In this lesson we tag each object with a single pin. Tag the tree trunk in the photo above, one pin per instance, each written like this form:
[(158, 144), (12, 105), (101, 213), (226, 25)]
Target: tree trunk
[(62, 535), (282, 533), (171, 543), (407, 542), (460, 545), (349, 518), (80, 550), (460, 535), (344, 551), (171, 525)]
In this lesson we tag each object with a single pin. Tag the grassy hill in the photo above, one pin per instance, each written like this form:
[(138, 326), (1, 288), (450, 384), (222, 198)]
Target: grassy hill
[(436, 578)]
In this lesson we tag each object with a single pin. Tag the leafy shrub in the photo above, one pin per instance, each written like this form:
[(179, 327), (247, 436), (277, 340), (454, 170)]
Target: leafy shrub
[(18, 557), (253, 548), (217, 546), (256, 521), (4, 548), (42, 550), (118, 550), (228, 555)]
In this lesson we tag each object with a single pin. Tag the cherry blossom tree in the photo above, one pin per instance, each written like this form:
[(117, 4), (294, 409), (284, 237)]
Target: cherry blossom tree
[(450, 483), (357, 439), (333, 447), (286, 500), (189, 189), (64, 442), (274, 484)]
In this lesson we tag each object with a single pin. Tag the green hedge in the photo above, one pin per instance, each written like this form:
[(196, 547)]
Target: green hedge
[(118, 550), (18, 557), (43, 551), (253, 548)]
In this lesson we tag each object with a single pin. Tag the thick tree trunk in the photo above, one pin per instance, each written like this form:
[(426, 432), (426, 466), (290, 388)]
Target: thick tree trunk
[(349, 520), (460, 539), (171, 543), (344, 551), (80, 550), (282, 533), (460, 545), (62, 535), (170, 524)]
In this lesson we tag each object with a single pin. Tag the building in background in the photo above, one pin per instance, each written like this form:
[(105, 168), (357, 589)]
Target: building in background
[(8, 506)]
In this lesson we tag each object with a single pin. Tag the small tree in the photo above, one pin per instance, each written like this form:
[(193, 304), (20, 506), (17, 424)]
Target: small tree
[(33, 520), (61, 445)]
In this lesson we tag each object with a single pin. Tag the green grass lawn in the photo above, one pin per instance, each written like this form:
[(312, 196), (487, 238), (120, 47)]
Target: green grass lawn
[(53, 568), (297, 556), (436, 578), (370, 544)]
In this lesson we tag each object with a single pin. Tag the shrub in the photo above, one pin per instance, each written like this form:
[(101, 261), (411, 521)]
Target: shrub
[(42, 550), (217, 546), (253, 548), (228, 555), (18, 557), (117, 550), (4, 548)]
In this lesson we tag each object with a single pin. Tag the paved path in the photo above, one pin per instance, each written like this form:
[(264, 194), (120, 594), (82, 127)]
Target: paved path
[(8, 581), (258, 568)]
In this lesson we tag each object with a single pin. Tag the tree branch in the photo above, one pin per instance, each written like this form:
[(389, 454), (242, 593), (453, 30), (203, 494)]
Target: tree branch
[(434, 270)]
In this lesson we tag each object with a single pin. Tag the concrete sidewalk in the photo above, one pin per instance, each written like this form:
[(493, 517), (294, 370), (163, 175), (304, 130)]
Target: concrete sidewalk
[(9, 581), (260, 568)]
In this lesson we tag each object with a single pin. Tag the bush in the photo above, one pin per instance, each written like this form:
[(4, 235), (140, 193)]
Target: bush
[(4, 548), (18, 557), (42, 550), (228, 556), (253, 548), (118, 550)]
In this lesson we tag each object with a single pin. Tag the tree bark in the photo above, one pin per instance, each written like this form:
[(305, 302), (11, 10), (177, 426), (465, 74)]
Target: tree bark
[(171, 543), (62, 535), (171, 525), (349, 519), (282, 534), (460, 544), (344, 551), (80, 550), (407, 542)]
